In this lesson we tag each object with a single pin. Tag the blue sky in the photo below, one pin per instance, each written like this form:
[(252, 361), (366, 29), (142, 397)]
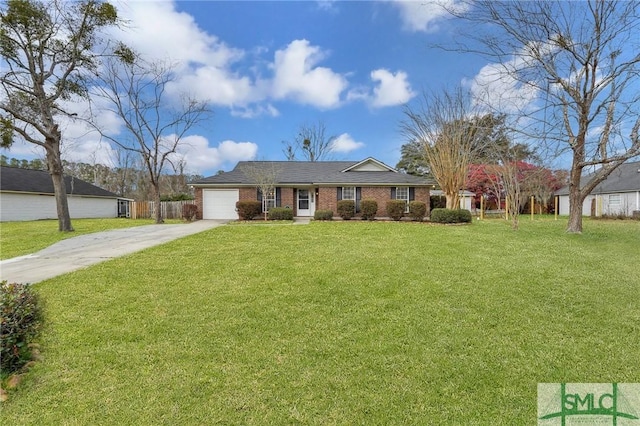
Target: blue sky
[(268, 67)]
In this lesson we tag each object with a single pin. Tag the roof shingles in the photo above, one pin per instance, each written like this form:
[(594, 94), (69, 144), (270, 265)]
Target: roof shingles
[(39, 182), (313, 173)]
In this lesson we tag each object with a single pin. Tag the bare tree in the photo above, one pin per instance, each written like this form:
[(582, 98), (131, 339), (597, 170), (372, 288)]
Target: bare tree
[(442, 124), (581, 62), (312, 142), (264, 174), (46, 55), (135, 90)]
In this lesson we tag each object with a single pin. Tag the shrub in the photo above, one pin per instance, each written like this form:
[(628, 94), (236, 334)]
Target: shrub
[(189, 212), (247, 210), (417, 210), (323, 215), (280, 213), (369, 208), (438, 201), (346, 209), (395, 209), (450, 216), (21, 319)]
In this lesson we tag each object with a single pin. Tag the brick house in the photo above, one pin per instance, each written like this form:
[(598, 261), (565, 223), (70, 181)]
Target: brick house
[(308, 186)]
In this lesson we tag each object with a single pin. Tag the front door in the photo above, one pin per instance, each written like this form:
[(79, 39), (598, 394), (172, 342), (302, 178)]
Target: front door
[(306, 202)]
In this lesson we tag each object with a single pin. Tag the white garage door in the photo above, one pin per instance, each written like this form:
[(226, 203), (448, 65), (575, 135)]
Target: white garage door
[(219, 203)]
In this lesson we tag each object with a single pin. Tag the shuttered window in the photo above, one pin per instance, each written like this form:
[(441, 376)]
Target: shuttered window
[(271, 199)]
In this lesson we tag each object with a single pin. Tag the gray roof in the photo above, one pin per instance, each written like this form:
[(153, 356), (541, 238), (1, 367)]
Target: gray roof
[(39, 182), (625, 178), (314, 173)]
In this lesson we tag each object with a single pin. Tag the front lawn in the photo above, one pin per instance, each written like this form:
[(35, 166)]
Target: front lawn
[(20, 238), (338, 323)]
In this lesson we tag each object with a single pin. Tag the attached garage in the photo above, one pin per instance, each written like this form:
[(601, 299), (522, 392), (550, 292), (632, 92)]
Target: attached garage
[(220, 204)]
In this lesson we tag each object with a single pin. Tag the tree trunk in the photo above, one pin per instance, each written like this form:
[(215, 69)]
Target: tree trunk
[(54, 164), (453, 200), (575, 202), (156, 199)]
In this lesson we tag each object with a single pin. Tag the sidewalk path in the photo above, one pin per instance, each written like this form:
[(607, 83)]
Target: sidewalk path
[(79, 252)]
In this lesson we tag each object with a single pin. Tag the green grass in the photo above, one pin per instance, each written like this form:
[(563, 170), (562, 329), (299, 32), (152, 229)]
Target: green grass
[(338, 323), (20, 238)]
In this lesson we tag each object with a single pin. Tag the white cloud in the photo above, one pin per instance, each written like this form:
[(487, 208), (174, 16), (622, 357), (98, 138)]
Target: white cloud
[(327, 5), (345, 143), (200, 157), (389, 89), (90, 151), (496, 88), (426, 15), (216, 86), (392, 89), (208, 67), (157, 30), (297, 77)]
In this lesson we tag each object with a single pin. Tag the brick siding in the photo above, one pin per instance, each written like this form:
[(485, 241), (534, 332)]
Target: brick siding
[(326, 198)]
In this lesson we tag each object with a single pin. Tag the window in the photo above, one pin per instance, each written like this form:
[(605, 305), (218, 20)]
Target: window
[(614, 199), (402, 193), (348, 193), (268, 200)]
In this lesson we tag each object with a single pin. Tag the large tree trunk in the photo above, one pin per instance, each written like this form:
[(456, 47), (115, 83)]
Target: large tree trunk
[(156, 200), (453, 200), (575, 202), (54, 164)]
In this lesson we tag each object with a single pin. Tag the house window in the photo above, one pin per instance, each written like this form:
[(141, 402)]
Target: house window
[(402, 193), (268, 200), (614, 199), (348, 193)]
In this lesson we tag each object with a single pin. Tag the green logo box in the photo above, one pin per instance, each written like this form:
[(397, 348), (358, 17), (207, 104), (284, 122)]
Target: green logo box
[(568, 404)]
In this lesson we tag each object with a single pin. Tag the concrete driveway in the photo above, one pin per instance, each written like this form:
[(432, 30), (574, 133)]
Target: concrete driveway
[(85, 250)]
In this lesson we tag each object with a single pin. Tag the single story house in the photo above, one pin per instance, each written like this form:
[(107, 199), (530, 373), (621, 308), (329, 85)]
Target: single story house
[(307, 186), (618, 194), (28, 195)]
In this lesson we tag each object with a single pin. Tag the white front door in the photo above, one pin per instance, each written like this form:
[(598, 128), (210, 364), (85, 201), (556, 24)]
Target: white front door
[(306, 202)]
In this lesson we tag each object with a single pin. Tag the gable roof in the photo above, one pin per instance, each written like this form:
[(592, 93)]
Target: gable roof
[(625, 178), (13, 179), (318, 173)]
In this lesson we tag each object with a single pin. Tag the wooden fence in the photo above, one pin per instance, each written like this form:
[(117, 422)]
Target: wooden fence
[(147, 209)]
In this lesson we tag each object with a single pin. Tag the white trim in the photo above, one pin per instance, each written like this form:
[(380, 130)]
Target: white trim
[(406, 200), (345, 198), (370, 160)]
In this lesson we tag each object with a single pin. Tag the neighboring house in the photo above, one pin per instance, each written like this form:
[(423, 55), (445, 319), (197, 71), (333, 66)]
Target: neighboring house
[(28, 195), (466, 198), (618, 194), (308, 186)]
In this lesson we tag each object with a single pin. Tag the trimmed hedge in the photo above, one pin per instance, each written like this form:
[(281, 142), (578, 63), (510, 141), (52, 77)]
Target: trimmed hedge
[(280, 213), (323, 215), (21, 319), (395, 209), (189, 212), (450, 216), (247, 210), (369, 208), (417, 210), (346, 209)]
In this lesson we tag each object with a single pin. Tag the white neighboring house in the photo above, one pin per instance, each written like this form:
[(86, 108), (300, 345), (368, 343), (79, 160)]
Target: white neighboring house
[(466, 198), (28, 195), (618, 194)]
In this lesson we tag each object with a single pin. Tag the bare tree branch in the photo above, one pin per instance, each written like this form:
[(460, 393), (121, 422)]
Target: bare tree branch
[(136, 93)]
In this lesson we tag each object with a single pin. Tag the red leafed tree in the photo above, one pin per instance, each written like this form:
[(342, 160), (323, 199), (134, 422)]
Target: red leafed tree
[(484, 182)]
